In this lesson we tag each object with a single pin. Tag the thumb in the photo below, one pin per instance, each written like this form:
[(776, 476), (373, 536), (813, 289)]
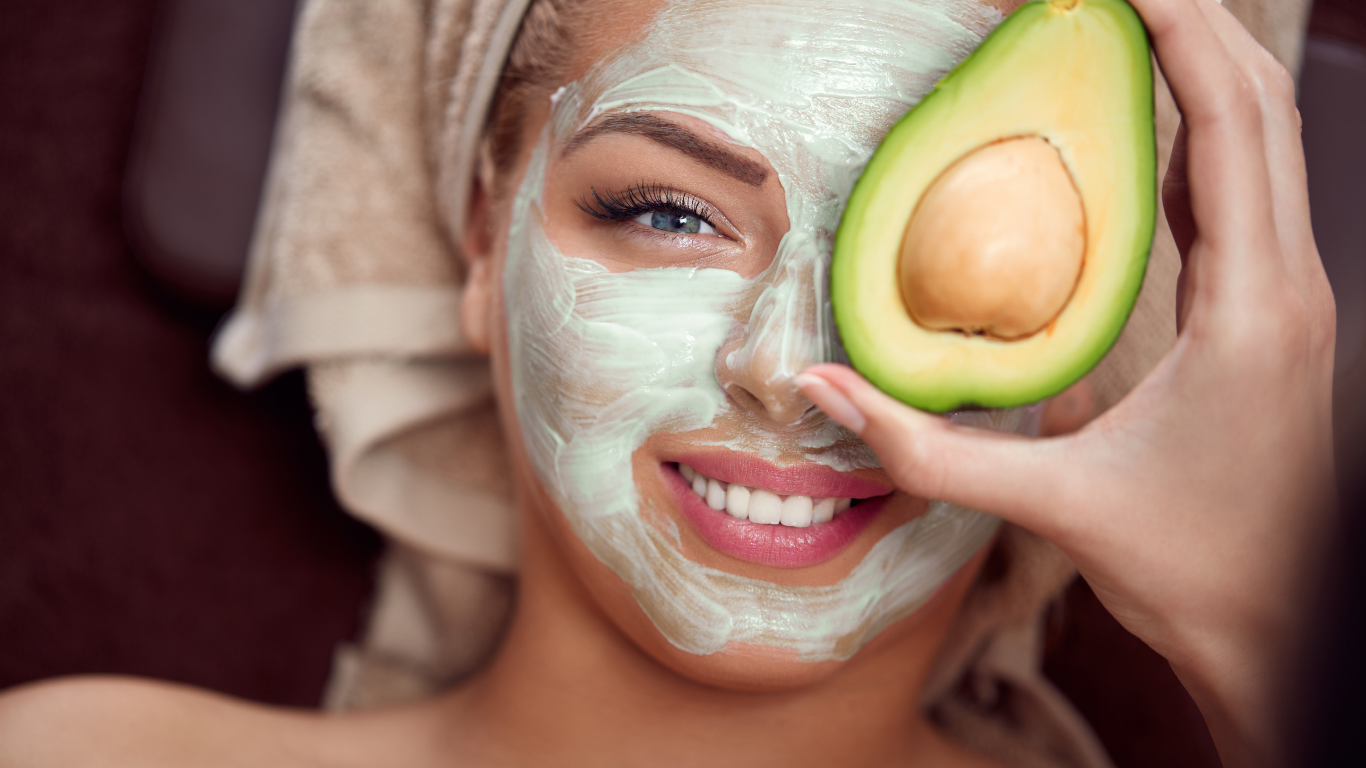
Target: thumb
[(1014, 478)]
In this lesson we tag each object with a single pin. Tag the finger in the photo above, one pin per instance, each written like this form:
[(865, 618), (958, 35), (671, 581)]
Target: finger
[(1289, 185), (1275, 91), (1014, 478), (1226, 161), (1203, 77)]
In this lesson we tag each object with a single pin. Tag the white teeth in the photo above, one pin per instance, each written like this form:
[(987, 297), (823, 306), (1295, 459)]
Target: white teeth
[(765, 507), (797, 511), (823, 511), (716, 495), (760, 506), (737, 501)]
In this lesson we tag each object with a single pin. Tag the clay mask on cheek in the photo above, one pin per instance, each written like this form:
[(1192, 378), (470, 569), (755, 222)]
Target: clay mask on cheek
[(601, 361)]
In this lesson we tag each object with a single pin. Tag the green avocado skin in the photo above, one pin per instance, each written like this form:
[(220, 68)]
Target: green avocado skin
[(1039, 46)]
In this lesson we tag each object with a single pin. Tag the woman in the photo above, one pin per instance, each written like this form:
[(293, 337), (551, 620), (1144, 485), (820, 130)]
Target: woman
[(644, 254)]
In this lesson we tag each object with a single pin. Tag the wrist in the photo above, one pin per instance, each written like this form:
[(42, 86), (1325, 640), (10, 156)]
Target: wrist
[(1237, 687)]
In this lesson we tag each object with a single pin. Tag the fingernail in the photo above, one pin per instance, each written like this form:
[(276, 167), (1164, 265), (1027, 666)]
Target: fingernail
[(832, 401)]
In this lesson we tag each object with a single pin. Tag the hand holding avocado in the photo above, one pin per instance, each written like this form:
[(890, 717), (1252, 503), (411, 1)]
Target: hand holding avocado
[(1195, 506), (996, 242)]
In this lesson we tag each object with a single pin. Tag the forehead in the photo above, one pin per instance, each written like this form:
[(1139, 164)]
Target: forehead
[(823, 64), (813, 85), (633, 20)]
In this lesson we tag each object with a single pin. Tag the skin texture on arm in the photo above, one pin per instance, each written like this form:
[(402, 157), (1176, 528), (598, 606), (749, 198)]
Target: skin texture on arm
[(1195, 507), (117, 721)]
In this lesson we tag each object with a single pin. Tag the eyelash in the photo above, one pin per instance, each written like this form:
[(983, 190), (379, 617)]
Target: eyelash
[(643, 198)]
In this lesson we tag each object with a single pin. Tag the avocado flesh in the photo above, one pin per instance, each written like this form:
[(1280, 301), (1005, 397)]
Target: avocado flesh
[(1075, 73)]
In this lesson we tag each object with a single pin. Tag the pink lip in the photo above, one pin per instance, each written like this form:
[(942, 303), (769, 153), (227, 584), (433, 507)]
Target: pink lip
[(777, 546)]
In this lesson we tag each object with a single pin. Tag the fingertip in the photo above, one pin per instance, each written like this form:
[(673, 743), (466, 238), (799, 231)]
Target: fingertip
[(864, 396), (834, 402), (835, 373), (856, 403)]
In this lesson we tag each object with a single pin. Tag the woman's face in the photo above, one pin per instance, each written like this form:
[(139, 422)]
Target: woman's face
[(663, 280)]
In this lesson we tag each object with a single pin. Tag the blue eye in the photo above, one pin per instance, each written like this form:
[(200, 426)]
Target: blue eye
[(659, 208), (675, 222)]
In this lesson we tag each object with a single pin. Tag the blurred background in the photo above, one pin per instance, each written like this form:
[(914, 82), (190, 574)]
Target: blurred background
[(154, 521)]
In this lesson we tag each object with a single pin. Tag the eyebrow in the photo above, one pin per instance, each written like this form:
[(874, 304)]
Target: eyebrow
[(675, 137)]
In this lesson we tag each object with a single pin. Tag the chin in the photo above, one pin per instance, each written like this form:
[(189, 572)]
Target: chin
[(743, 667)]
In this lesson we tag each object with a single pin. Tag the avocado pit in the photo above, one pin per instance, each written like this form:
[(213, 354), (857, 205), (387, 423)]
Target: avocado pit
[(996, 244)]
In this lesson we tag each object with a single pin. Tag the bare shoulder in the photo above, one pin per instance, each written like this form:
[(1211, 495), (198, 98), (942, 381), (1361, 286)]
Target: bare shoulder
[(116, 721)]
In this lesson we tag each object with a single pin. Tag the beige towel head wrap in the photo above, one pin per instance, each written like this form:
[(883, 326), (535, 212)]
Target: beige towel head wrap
[(353, 272), (354, 275)]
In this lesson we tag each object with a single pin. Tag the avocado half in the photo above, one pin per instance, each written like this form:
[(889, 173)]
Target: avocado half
[(1075, 74)]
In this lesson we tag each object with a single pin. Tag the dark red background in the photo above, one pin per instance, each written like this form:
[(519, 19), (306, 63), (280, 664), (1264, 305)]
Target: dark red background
[(153, 520)]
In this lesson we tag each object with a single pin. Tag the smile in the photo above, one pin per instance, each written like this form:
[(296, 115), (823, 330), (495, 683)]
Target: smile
[(790, 517), (762, 506)]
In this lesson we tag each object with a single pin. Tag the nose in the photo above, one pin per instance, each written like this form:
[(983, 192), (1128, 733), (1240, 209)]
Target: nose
[(785, 334)]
